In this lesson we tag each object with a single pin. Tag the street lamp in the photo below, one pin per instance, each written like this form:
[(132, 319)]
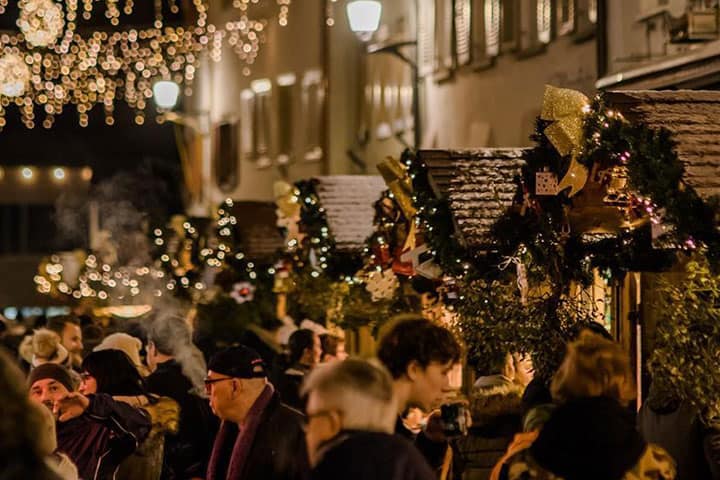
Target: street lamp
[(166, 94), (364, 17)]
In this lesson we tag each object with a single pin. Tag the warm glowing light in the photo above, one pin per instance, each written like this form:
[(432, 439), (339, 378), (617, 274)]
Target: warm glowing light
[(286, 79), (59, 174), (27, 173), (166, 94), (86, 174), (364, 16), (263, 85)]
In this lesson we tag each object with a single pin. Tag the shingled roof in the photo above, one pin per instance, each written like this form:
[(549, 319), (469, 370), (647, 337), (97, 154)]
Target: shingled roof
[(693, 118), (348, 202), (480, 186), (259, 234)]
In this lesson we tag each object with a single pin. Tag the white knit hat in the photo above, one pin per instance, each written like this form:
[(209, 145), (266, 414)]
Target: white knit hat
[(43, 347), (128, 344)]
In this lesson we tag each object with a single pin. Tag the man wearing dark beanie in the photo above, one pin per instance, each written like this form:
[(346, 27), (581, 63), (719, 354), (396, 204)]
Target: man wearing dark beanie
[(96, 432), (259, 438)]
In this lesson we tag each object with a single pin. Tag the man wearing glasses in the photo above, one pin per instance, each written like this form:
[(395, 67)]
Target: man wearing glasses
[(259, 438), (351, 416)]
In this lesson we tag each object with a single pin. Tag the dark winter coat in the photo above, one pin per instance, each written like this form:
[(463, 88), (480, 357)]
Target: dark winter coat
[(278, 452), (355, 455), (288, 386), (187, 452), (102, 437), (433, 452), (146, 463), (591, 439), (678, 428), (496, 409)]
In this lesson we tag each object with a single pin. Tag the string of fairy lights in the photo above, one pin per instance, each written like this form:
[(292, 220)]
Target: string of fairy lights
[(47, 66)]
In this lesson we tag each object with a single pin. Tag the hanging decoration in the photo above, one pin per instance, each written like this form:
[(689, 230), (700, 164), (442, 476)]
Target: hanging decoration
[(381, 285), (14, 75), (41, 21), (566, 110), (626, 174), (98, 69)]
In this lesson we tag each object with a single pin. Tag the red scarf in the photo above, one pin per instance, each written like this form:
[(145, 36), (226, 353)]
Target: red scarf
[(243, 442)]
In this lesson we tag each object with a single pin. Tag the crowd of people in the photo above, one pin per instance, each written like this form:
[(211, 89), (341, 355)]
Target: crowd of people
[(144, 404)]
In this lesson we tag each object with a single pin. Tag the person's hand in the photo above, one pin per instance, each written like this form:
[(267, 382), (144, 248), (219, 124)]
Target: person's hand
[(71, 406), (434, 429)]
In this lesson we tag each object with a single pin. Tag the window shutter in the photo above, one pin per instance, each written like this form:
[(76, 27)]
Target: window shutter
[(426, 37), (492, 28), (463, 29)]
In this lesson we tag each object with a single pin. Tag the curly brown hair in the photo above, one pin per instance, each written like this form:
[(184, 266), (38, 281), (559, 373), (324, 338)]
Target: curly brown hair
[(414, 338), (594, 367)]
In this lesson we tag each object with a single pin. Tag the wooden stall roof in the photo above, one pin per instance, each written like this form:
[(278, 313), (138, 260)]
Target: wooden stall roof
[(256, 222), (480, 186), (348, 202), (693, 118)]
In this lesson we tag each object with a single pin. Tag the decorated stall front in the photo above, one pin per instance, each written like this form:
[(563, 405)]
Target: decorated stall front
[(538, 242), (327, 220)]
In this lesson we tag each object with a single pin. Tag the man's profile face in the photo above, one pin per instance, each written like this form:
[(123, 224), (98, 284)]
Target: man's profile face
[(431, 384), (321, 425), (47, 391), (221, 390), (72, 338)]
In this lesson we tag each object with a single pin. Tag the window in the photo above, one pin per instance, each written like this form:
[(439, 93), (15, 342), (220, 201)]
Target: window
[(426, 37), (225, 156), (262, 122), (313, 100), (509, 24), (544, 20), (286, 112), (443, 35), (247, 126), (565, 16), (492, 27)]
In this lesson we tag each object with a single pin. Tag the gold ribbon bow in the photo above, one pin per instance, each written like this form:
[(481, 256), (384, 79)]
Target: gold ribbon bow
[(566, 109), (285, 199), (398, 181)]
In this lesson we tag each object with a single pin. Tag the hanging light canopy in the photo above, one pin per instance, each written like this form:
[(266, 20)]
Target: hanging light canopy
[(364, 16), (49, 65)]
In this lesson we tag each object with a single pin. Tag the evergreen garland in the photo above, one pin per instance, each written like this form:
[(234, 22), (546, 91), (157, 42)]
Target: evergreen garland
[(683, 362), (491, 315)]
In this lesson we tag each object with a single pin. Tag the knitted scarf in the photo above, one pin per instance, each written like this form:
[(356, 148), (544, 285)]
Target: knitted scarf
[(243, 442)]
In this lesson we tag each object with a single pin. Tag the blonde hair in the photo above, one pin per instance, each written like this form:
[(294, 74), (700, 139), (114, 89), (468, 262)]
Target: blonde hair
[(594, 367)]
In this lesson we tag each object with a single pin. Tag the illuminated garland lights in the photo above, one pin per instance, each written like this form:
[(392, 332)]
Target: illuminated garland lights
[(317, 252), (196, 252), (101, 281), (104, 67)]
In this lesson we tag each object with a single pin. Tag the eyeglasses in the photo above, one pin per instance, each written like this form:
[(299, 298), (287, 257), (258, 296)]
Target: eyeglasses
[(84, 376), (210, 381)]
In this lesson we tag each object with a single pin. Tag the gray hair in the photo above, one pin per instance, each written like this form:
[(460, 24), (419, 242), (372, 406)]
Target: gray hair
[(361, 390), (171, 335)]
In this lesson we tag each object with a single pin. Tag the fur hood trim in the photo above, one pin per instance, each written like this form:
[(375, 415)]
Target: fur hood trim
[(490, 402), (165, 415)]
